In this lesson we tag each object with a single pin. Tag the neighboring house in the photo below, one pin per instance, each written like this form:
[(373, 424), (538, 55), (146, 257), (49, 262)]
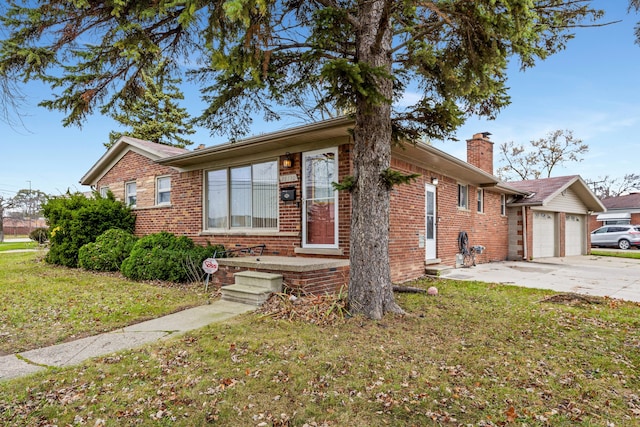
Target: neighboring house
[(552, 219), (619, 210), (275, 189)]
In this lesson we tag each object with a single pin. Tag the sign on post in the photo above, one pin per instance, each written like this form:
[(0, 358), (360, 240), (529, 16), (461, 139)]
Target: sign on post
[(210, 266)]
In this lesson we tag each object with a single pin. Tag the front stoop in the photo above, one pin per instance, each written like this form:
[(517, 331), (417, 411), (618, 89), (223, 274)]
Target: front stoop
[(252, 287), (437, 270)]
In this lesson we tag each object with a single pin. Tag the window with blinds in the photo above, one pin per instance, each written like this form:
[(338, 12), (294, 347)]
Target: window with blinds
[(243, 197)]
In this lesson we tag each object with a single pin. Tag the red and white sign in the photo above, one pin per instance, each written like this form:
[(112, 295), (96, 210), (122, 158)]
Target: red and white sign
[(210, 265)]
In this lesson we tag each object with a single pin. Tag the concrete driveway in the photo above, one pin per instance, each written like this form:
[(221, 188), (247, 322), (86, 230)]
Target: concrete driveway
[(589, 274)]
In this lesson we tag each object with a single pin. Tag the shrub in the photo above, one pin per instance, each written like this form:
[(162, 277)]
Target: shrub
[(163, 256), (76, 220), (108, 251), (40, 235)]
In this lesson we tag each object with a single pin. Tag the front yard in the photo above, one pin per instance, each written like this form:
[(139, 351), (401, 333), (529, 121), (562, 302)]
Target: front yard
[(477, 354), (41, 304)]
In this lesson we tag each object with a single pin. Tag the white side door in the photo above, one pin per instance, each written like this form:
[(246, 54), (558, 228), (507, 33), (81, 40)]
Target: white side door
[(430, 221)]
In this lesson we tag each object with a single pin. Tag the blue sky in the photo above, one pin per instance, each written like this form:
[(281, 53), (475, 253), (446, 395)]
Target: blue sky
[(591, 88)]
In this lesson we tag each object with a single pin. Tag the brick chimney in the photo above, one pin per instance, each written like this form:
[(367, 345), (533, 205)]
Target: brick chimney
[(480, 152)]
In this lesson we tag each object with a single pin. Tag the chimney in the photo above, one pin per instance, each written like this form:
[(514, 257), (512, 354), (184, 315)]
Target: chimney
[(480, 152), (200, 147)]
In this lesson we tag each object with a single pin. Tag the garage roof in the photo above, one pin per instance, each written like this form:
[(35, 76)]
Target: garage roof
[(543, 191)]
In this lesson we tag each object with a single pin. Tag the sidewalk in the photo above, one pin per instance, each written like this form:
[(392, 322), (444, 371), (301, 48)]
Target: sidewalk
[(75, 352)]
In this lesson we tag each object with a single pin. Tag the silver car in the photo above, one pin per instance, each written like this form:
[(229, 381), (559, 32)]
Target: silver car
[(622, 236)]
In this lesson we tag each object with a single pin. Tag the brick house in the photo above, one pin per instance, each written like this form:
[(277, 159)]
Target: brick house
[(275, 189), (619, 210)]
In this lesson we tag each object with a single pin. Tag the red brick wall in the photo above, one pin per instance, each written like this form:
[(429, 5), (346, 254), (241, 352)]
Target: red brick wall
[(561, 219), (182, 217), (480, 153), (345, 168), (318, 282), (489, 228)]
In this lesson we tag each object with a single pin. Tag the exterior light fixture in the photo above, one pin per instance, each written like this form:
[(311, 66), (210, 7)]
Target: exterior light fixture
[(287, 162), (434, 180)]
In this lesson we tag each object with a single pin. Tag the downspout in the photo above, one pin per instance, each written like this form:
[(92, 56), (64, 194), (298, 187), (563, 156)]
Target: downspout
[(524, 234)]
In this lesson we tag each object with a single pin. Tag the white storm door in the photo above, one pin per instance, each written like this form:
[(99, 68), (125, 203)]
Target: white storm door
[(430, 221), (320, 200)]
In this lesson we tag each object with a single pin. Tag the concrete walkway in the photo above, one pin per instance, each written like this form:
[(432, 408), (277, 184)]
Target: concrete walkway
[(75, 352)]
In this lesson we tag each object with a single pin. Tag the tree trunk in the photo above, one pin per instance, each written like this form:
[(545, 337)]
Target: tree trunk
[(370, 288)]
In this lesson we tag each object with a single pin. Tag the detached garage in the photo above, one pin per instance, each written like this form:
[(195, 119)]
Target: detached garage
[(551, 219)]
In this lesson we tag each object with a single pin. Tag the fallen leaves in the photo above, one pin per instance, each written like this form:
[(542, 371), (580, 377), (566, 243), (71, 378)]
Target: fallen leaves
[(320, 310)]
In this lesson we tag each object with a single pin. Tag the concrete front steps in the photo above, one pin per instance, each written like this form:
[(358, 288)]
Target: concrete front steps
[(252, 287), (434, 268)]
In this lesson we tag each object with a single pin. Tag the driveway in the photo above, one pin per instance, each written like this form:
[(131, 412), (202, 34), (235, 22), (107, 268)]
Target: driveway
[(589, 274)]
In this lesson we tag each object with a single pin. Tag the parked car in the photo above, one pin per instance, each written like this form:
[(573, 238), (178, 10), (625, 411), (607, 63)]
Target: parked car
[(622, 236)]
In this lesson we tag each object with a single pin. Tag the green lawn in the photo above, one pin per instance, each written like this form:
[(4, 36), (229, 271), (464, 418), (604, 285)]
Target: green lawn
[(10, 246), (619, 254), (41, 304), (477, 354)]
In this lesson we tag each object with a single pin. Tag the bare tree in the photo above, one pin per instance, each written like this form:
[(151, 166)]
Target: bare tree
[(540, 157), (606, 186)]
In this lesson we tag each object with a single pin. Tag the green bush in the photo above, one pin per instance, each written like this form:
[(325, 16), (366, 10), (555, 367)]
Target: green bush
[(40, 235), (163, 256), (75, 220), (108, 251)]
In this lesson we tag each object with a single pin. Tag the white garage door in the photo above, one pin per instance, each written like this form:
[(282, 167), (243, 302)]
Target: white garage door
[(574, 235), (544, 234)]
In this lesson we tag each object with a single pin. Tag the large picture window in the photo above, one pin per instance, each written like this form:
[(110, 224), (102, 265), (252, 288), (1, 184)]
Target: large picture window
[(243, 197)]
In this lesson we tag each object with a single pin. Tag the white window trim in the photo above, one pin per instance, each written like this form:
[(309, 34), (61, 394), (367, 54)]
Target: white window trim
[(104, 190), (229, 230), (336, 243), (480, 201), (127, 194), (158, 178), (466, 186), (503, 204)]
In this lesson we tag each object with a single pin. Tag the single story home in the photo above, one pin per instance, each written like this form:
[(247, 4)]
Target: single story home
[(619, 210), (275, 190)]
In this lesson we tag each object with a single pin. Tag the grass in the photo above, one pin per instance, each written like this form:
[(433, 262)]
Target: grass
[(477, 354), (618, 254), (42, 304), (11, 246)]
